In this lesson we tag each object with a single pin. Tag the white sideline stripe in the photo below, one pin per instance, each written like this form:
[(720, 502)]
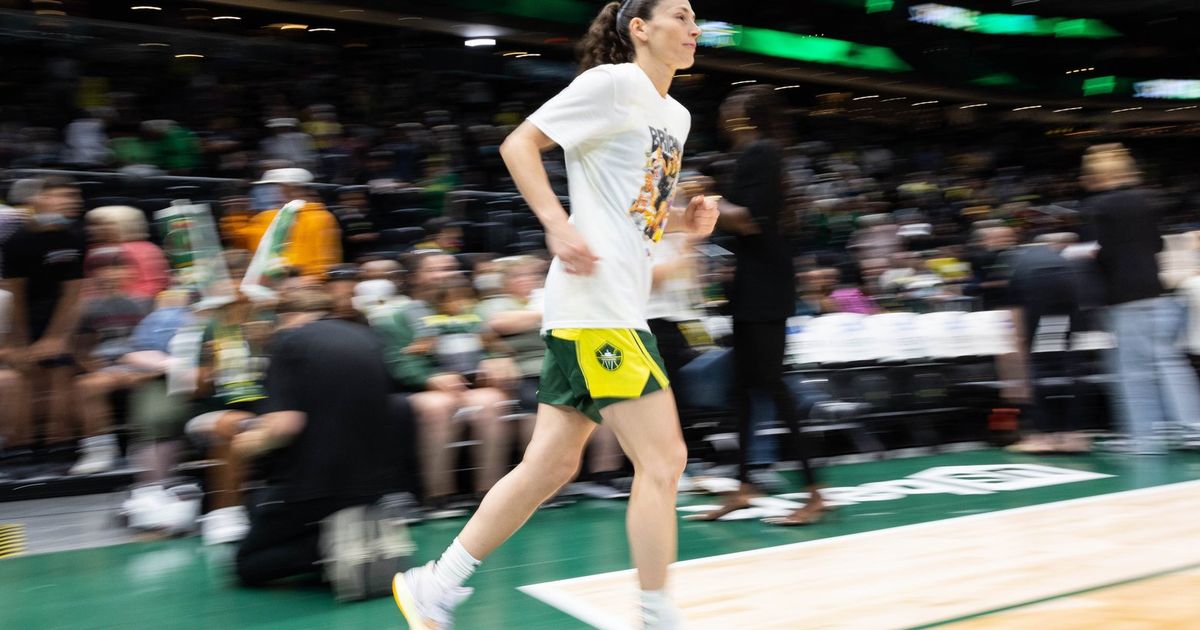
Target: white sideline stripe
[(550, 593)]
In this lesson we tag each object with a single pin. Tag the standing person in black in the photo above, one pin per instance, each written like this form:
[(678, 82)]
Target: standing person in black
[(1155, 383), (325, 442), (43, 269), (1045, 290), (763, 294)]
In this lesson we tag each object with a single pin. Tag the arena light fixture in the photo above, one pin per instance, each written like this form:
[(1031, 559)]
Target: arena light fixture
[(745, 82), (479, 41), (323, 29), (1027, 107), (154, 45), (973, 106), (924, 103), (189, 56), (1179, 109), (786, 87), (226, 17), (528, 55), (145, 7), (1127, 109), (864, 98), (1066, 109)]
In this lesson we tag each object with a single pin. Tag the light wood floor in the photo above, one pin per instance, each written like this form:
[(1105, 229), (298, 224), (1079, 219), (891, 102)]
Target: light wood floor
[(1169, 602), (928, 573)]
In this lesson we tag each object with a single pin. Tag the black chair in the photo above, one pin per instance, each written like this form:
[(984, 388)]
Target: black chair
[(402, 238), (96, 202), (485, 237)]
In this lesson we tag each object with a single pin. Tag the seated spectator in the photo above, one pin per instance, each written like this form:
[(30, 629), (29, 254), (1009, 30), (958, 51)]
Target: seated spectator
[(340, 284), (230, 394), (461, 347), (315, 242), (382, 269), (43, 267), (125, 228), (516, 316), (326, 444), (105, 328), (158, 415), (16, 432), (353, 214), (442, 234), (288, 143)]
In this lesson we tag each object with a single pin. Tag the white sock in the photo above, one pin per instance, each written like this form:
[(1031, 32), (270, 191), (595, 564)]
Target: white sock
[(655, 600), (658, 611), (455, 566)]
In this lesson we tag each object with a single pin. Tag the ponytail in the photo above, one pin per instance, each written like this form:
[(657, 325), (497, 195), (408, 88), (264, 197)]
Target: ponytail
[(607, 40)]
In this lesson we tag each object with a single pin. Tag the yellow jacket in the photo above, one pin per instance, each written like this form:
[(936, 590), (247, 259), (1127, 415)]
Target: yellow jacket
[(316, 242)]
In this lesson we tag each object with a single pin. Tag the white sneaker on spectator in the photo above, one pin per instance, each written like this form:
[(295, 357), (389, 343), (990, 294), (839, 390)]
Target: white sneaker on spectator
[(226, 525), (143, 506), (96, 455), (425, 602), (179, 514)]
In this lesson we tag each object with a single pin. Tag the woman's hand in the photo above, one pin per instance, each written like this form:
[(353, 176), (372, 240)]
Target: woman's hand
[(569, 246), (701, 215)]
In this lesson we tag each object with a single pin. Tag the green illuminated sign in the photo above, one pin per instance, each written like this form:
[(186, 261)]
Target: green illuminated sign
[(961, 19), (1099, 85), (762, 41), (879, 6)]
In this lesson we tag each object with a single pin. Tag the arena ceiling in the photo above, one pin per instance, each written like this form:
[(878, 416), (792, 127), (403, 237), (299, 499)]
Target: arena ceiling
[(1136, 59)]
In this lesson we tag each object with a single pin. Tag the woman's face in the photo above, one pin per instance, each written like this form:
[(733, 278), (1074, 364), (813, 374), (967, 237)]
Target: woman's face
[(670, 35), (104, 231), (522, 280)]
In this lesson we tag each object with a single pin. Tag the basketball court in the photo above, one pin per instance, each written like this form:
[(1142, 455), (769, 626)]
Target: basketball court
[(979, 539)]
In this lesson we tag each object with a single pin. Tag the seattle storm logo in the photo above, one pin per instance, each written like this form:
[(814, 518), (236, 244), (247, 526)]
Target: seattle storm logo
[(609, 357), (663, 161)]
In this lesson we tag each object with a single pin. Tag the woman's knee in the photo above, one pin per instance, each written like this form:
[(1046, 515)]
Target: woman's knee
[(665, 468), (556, 470)]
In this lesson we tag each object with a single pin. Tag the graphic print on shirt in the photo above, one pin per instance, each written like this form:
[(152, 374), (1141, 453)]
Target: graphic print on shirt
[(663, 161)]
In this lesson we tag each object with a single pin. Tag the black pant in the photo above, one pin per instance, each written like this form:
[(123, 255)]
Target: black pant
[(675, 351), (284, 537), (1057, 392), (758, 365)]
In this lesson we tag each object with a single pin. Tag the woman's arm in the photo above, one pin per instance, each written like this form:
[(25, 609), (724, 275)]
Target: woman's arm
[(522, 154)]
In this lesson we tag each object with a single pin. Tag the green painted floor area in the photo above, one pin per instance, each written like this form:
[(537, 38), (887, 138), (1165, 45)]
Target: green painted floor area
[(181, 584)]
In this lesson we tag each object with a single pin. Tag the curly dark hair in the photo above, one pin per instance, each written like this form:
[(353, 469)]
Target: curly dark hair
[(607, 39)]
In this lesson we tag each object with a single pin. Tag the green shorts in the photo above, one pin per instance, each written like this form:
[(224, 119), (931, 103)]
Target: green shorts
[(591, 368)]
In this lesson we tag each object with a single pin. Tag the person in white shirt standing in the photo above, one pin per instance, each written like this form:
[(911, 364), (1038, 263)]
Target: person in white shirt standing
[(623, 139)]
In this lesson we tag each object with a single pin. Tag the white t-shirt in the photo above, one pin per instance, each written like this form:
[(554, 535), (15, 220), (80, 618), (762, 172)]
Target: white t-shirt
[(623, 144), (676, 296)]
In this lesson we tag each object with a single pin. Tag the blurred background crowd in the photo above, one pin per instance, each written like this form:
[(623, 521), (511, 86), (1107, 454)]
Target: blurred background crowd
[(901, 224)]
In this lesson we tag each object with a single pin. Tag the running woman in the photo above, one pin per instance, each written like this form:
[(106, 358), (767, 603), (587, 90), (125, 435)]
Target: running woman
[(623, 138)]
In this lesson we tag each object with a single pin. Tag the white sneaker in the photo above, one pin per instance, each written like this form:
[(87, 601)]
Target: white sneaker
[(425, 603), (667, 617), (97, 455), (226, 525), (143, 506)]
